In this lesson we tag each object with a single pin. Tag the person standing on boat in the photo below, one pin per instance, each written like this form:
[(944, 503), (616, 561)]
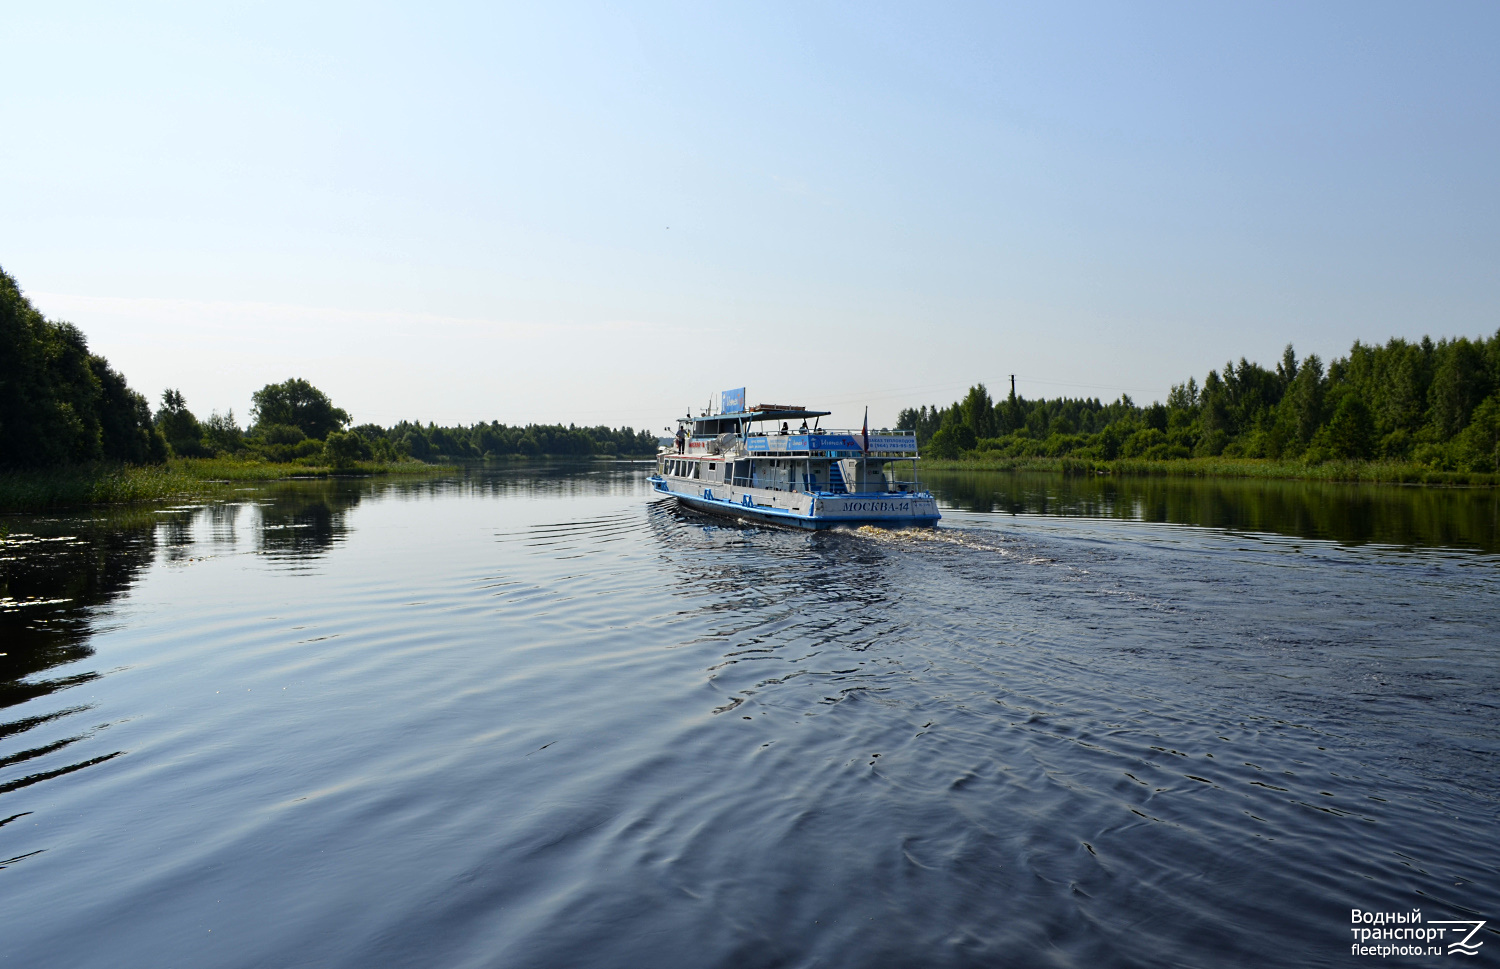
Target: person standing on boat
[(803, 428), (681, 439), (784, 429)]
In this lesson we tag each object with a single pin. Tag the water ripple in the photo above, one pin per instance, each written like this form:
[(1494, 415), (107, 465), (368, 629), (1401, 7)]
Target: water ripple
[(532, 720)]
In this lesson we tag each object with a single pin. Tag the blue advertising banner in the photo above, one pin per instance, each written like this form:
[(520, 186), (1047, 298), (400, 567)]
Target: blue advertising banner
[(804, 442), (734, 401)]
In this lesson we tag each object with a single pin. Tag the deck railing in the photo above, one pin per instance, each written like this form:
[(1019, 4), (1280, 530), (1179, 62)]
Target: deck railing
[(891, 488)]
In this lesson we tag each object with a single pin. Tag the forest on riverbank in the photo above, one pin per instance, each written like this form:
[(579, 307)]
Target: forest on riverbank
[(62, 406), (1409, 406)]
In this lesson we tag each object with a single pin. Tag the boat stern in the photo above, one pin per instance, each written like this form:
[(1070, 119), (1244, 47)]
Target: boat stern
[(896, 509)]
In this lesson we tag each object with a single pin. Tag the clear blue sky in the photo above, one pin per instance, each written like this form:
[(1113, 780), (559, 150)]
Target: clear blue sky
[(593, 214)]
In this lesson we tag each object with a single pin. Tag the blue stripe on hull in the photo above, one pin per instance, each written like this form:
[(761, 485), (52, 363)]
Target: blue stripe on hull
[(777, 516)]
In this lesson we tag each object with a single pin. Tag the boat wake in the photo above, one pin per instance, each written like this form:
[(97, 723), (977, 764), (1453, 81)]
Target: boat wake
[(952, 537)]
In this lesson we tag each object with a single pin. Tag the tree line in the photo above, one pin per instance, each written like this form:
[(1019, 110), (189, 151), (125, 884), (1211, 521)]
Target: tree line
[(62, 405), (1436, 404), (500, 440)]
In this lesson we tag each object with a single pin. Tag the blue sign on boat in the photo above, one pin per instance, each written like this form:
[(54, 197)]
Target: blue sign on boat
[(734, 401)]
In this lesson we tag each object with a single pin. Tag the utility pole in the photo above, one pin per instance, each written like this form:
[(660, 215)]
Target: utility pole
[(1012, 386)]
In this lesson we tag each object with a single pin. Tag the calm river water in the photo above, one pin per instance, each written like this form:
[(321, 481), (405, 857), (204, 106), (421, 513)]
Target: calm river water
[(538, 719)]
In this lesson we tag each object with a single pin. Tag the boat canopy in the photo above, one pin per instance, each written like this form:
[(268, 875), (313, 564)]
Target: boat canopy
[(712, 425)]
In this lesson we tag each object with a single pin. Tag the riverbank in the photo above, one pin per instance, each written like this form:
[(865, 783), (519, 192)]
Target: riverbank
[(179, 478), (1372, 472)]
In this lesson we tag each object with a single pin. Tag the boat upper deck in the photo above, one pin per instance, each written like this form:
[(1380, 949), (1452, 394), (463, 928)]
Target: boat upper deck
[(731, 431)]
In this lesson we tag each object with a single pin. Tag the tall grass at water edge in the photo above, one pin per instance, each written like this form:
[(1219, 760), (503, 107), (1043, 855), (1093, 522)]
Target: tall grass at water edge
[(97, 485), (180, 478), (236, 469)]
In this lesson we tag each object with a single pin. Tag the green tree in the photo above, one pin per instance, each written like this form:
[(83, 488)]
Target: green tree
[(177, 424), (1351, 432), (944, 443), (1286, 370), (1141, 442), (414, 442), (282, 434), (1478, 446), (1183, 397), (221, 434), (1111, 439), (1213, 406), (1458, 384), (979, 412), (299, 404), (343, 448), (909, 419), (1304, 399)]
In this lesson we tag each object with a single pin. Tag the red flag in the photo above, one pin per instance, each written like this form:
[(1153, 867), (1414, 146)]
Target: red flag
[(864, 433)]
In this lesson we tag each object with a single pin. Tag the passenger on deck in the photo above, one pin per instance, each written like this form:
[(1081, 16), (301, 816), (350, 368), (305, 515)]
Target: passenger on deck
[(681, 439), (803, 428), (784, 428)]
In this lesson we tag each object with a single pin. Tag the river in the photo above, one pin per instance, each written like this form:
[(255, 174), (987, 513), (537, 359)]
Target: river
[(538, 718)]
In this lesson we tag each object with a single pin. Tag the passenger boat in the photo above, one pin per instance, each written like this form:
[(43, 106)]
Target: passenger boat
[(729, 463)]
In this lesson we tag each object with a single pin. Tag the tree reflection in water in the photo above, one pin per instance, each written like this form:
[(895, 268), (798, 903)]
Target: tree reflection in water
[(53, 575), (1349, 513), (57, 572), (305, 519)]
